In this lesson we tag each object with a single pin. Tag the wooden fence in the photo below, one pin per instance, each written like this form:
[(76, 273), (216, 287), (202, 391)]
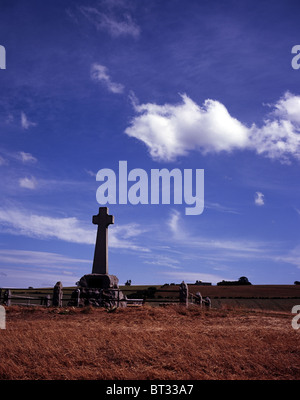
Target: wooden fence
[(48, 297)]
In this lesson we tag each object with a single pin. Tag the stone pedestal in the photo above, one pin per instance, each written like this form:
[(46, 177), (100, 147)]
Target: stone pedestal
[(99, 281), (99, 290)]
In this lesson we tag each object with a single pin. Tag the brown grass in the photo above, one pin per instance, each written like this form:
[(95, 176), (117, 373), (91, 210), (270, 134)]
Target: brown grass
[(148, 343)]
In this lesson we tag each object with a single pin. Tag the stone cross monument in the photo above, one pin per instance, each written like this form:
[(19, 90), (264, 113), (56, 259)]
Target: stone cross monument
[(103, 220), (99, 288)]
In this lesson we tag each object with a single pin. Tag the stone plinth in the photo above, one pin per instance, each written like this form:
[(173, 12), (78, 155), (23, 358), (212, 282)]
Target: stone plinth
[(99, 281), (99, 290)]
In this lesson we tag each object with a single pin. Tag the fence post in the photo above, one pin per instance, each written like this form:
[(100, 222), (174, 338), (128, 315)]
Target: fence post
[(57, 295), (184, 294), (77, 299), (47, 300), (7, 297)]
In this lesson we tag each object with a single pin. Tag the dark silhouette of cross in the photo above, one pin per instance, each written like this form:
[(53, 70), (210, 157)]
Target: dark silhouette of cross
[(100, 264)]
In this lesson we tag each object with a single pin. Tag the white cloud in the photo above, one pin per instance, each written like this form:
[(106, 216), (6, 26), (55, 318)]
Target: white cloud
[(99, 74), (108, 22), (21, 268), (181, 235), (122, 236), (28, 183), (26, 157), (38, 258), (288, 107), (220, 208), (173, 221), (259, 199), (163, 261), (25, 223), (25, 123), (173, 130), (91, 173), (170, 131), (67, 229)]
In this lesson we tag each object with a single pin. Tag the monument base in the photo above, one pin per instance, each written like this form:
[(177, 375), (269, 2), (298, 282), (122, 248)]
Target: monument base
[(99, 290), (99, 281)]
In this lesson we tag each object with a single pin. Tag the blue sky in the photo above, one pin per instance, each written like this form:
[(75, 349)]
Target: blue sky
[(159, 84)]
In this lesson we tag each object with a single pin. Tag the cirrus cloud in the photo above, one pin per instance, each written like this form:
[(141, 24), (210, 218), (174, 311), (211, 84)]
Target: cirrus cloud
[(69, 229), (107, 21), (99, 73), (25, 123)]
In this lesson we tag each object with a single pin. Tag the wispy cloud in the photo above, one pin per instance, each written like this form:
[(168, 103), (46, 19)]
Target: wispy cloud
[(107, 21), (38, 258), (3, 161), (170, 131), (91, 173), (21, 268), (28, 183), (218, 250), (26, 157), (173, 221), (259, 199), (161, 260), (68, 229), (25, 123), (220, 208), (99, 73), (42, 227)]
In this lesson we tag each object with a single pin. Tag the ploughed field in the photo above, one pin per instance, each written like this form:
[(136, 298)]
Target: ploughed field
[(169, 342)]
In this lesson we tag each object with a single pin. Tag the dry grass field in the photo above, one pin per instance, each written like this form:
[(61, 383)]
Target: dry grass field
[(169, 342)]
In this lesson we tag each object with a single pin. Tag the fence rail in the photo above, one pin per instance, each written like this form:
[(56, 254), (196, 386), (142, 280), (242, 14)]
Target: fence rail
[(58, 298), (8, 299)]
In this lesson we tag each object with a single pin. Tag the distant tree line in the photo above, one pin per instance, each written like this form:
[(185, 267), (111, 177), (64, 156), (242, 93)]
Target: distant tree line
[(243, 280)]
